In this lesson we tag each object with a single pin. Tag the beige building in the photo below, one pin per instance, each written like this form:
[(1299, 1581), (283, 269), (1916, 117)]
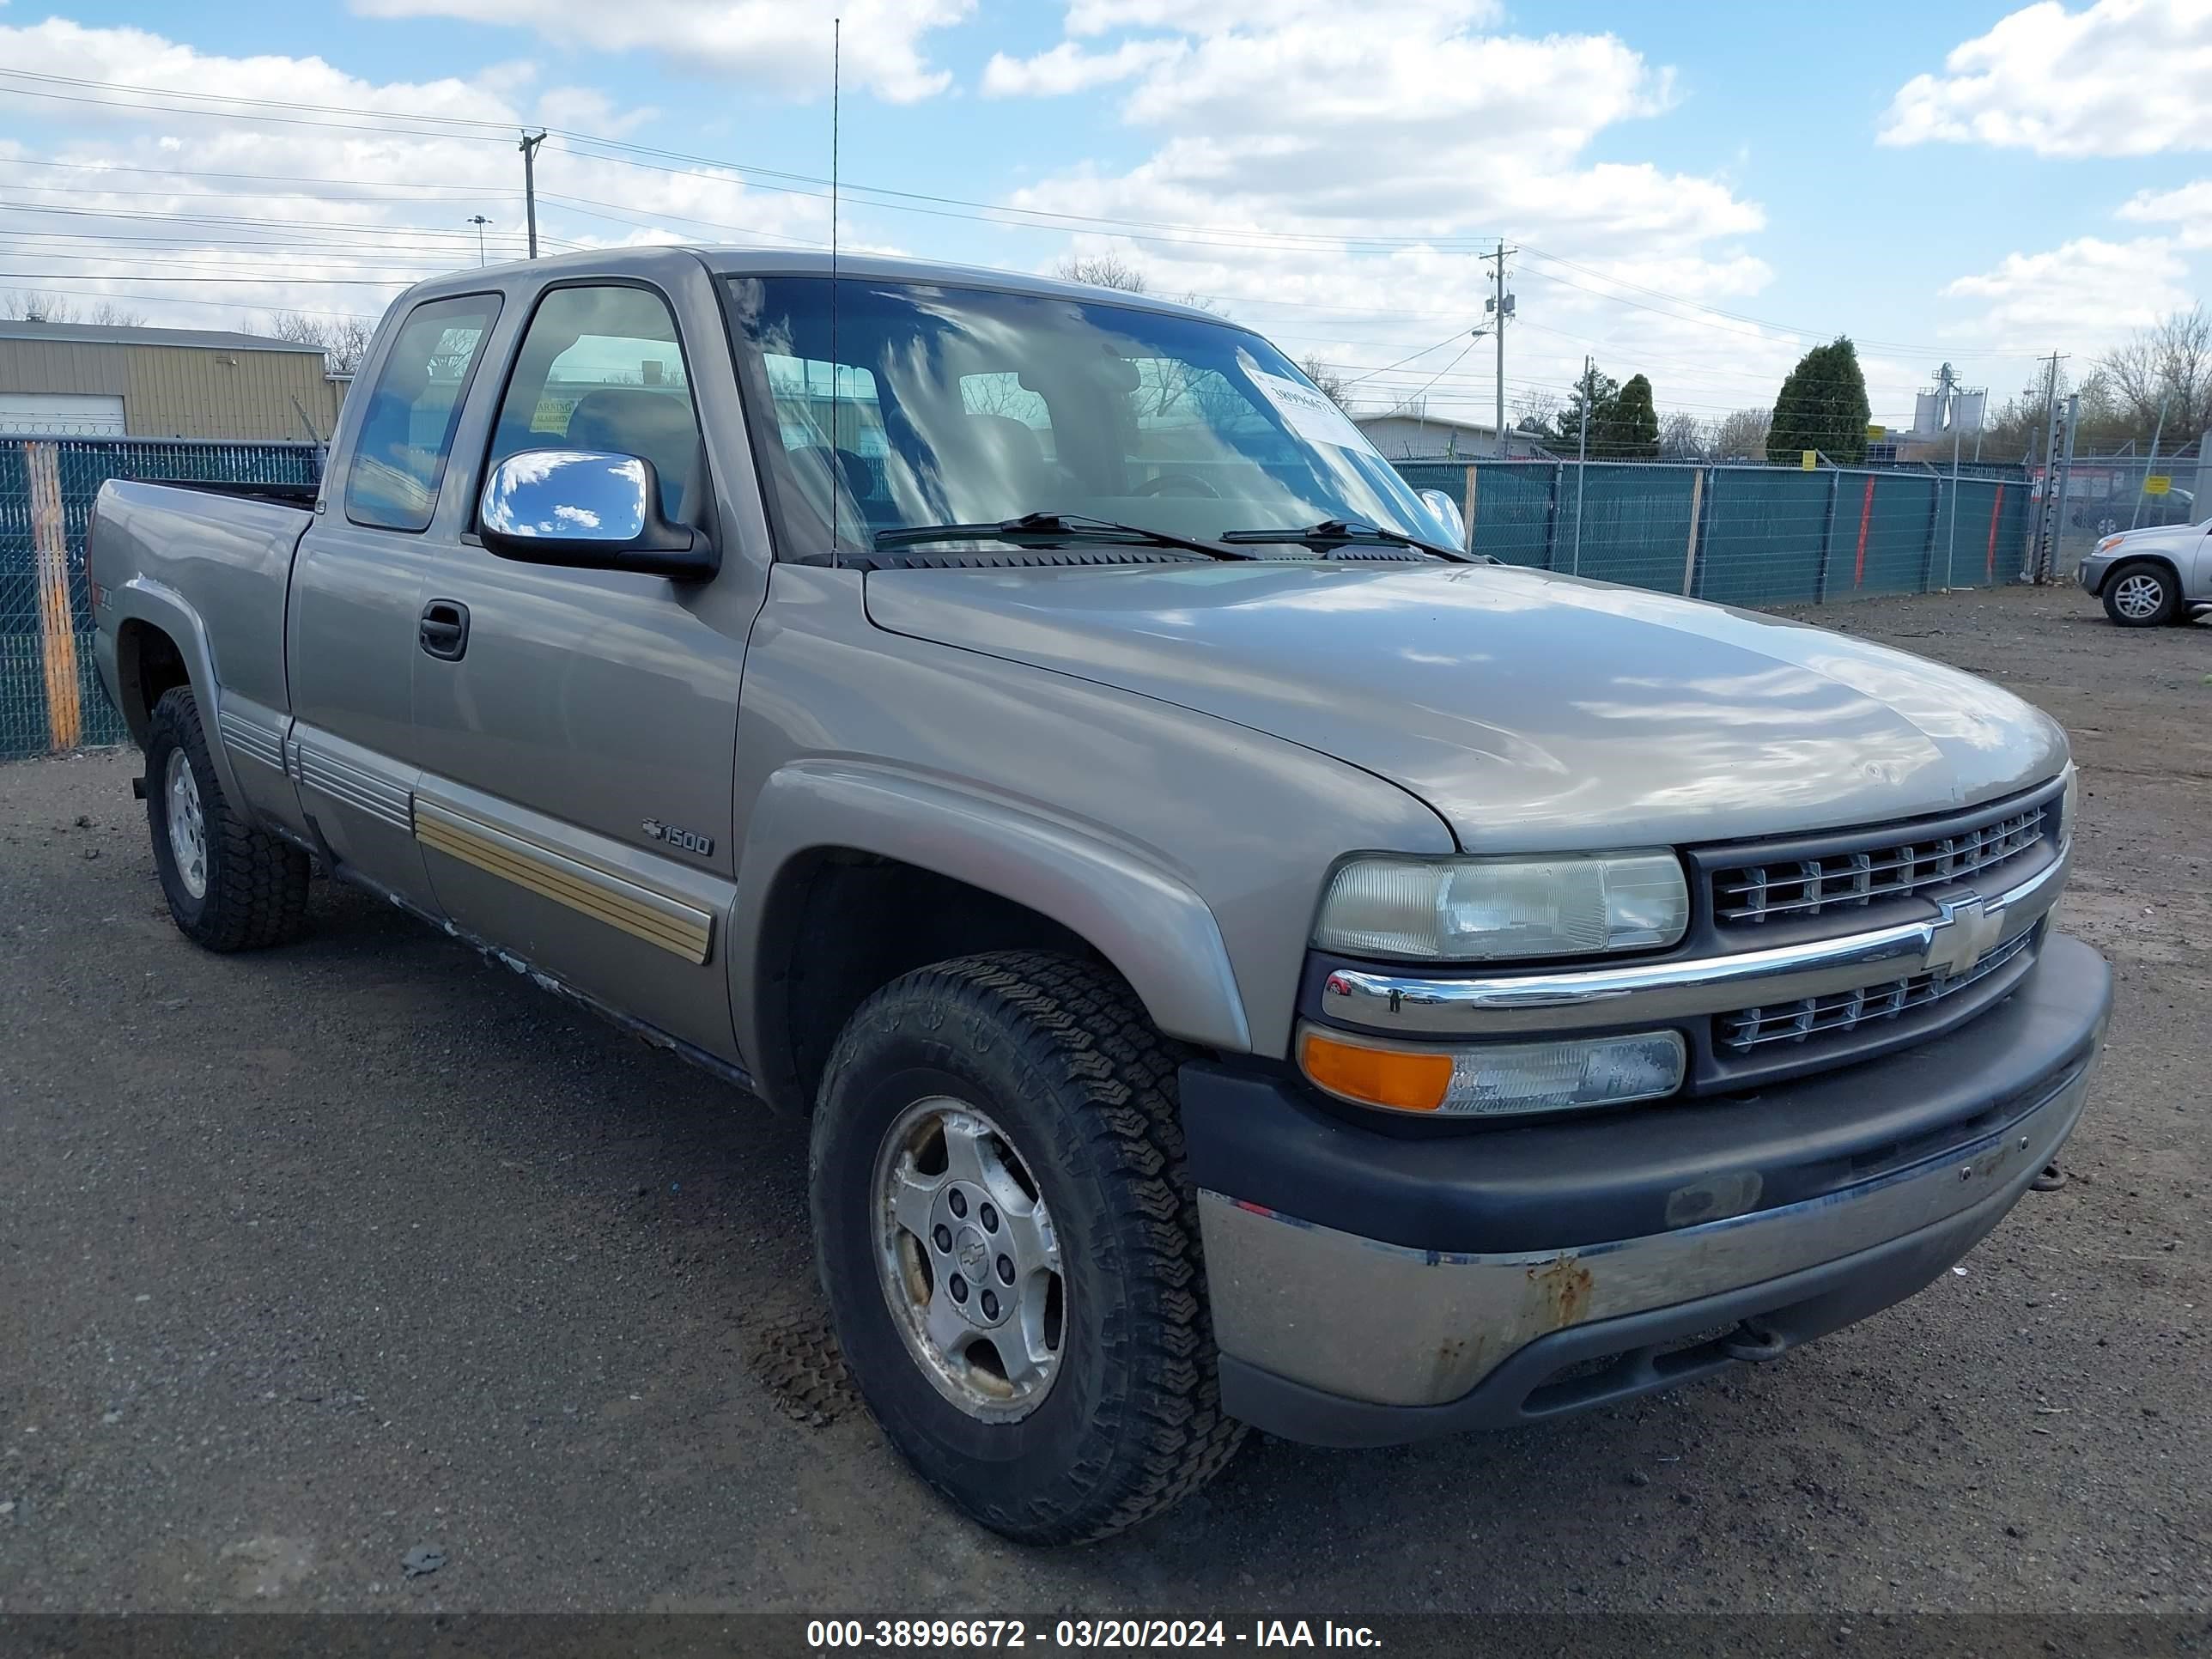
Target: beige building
[(94, 381)]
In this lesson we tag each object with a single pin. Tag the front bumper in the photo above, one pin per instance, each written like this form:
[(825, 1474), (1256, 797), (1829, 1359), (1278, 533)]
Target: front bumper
[(1368, 1289), (2090, 573)]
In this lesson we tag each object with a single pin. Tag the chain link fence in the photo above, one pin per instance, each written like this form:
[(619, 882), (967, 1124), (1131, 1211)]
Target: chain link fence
[(50, 697), (2106, 495), (1743, 535)]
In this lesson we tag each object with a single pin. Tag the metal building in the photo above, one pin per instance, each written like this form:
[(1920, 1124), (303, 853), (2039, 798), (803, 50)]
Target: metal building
[(97, 380)]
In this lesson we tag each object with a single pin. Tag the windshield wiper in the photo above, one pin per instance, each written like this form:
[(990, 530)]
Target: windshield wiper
[(1046, 527), (1347, 533)]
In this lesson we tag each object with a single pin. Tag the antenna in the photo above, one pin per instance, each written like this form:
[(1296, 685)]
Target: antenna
[(837, 372)]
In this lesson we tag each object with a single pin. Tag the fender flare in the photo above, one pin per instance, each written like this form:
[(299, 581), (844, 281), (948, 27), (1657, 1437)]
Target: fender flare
[(141, 599), (1145, 920)]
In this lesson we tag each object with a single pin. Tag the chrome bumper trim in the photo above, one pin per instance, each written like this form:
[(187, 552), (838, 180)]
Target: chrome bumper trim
[(1703, 985), (1379, 1323)]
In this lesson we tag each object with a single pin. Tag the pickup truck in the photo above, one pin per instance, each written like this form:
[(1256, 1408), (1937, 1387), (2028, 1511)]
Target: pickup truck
[(1241, 959)]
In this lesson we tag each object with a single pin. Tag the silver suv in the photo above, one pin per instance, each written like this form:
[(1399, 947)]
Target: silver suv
[(2150, 577)]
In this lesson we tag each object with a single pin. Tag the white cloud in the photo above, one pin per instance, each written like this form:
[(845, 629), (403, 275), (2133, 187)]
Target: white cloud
[(1067, 68), (2189, 207), (771, 44), (2123, 78), (224, 219), (1346, 164), (2084, 296), (1088, 17)]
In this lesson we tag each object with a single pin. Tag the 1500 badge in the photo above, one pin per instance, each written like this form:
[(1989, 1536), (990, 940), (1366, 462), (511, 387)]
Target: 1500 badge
[(684, 840)]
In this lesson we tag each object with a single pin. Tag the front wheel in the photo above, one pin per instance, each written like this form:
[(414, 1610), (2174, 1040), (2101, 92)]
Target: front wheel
[(2140, 596), (1010, 1247)]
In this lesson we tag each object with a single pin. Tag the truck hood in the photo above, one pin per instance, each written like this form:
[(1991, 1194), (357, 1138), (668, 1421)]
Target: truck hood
[(1531, 711)]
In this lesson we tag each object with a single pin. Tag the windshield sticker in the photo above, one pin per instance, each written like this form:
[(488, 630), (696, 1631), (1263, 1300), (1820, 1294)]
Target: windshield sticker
[(1307, 412)]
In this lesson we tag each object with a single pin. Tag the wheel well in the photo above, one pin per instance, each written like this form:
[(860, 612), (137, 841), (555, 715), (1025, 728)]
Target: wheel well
[(147, 663), (840, 925), (2167, 568)]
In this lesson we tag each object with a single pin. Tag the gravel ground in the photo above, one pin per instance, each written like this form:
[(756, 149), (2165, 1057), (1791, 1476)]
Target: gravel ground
[(312, 1258)]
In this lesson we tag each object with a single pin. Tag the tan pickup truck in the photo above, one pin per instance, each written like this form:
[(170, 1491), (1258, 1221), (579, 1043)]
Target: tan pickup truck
[(1240, 958)]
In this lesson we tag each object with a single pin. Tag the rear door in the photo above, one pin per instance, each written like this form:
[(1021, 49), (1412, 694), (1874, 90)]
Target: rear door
[(354, 621), (577, 754)]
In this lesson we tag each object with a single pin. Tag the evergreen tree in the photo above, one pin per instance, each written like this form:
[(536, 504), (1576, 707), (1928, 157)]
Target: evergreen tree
[(1604, 392), (1823, 406), (1633, 423)]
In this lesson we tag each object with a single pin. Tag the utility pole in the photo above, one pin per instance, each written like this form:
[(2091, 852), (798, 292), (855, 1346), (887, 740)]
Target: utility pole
[(1500, 307), (2150, 466), (529, 148), (479, 221)]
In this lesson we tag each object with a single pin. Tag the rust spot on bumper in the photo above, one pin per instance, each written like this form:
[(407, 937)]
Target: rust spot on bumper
[(1563, 1291)]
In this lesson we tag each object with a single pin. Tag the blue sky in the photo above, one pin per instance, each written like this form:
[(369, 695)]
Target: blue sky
[(1700, 193)]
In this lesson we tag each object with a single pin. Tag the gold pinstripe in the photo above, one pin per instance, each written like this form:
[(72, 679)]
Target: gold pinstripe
[(688, 933)]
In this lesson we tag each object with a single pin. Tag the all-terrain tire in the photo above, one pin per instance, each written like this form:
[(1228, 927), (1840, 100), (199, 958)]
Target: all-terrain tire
[(1058, 1053), (255, 888)]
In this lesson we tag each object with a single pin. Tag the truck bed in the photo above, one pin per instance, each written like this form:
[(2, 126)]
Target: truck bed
[(226, 549)]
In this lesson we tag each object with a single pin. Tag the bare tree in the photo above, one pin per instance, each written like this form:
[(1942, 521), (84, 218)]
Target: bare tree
[(1328, 381), (343, 341), (1681, 436), (2168, 364), (1742, 436), (1536, 413), (1101, 271), (108, 314), (26, 305)]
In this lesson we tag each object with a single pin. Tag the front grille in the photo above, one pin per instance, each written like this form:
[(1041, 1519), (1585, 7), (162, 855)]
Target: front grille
[(1743, 895), (1809, 1017)]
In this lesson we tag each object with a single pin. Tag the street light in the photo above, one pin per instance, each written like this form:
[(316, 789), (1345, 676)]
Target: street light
[(479, 221)]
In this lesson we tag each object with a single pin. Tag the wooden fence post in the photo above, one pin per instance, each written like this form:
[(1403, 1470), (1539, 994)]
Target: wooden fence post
[(1690, 557), (57, 622), (1466, 510)]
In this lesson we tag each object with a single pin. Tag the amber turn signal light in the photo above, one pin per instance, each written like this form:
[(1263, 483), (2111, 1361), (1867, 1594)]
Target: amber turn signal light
[(1407, 1080)]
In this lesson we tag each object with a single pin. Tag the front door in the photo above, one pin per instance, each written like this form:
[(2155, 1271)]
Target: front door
[(577, 738), (353, 618)]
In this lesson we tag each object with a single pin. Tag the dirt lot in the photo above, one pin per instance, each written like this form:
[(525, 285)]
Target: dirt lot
[(311, 1258)]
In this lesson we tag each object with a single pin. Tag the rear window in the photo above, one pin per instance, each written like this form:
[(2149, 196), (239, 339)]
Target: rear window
[(407, 428)]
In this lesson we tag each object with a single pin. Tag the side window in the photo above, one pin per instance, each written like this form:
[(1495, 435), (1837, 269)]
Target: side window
[(601, 368), (407, 430)]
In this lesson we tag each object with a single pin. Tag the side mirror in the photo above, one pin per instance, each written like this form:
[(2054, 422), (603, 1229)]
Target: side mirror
[(588, 510), (1447, 514)]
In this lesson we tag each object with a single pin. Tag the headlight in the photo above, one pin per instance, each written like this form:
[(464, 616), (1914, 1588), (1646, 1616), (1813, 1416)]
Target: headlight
[(2069, 804), (1504, 909), (2105, 545), (1493, 1079)]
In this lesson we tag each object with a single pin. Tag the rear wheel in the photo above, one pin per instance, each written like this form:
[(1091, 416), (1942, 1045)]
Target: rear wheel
[(231, 884), (2140, 596), (1010, 1247)]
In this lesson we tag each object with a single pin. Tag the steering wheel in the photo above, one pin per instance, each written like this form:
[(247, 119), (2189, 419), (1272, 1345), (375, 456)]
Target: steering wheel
[(1186, 484)]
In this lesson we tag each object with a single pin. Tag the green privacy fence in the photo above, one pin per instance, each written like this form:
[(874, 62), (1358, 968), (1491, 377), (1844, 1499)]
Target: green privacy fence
[(1743, 535), (50, 697)]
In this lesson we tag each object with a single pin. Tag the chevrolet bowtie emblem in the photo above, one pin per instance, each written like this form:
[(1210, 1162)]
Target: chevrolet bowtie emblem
[(1967, 931)]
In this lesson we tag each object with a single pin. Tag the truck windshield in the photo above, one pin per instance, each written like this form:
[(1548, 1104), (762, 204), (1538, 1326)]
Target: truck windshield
[(919, 406)]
